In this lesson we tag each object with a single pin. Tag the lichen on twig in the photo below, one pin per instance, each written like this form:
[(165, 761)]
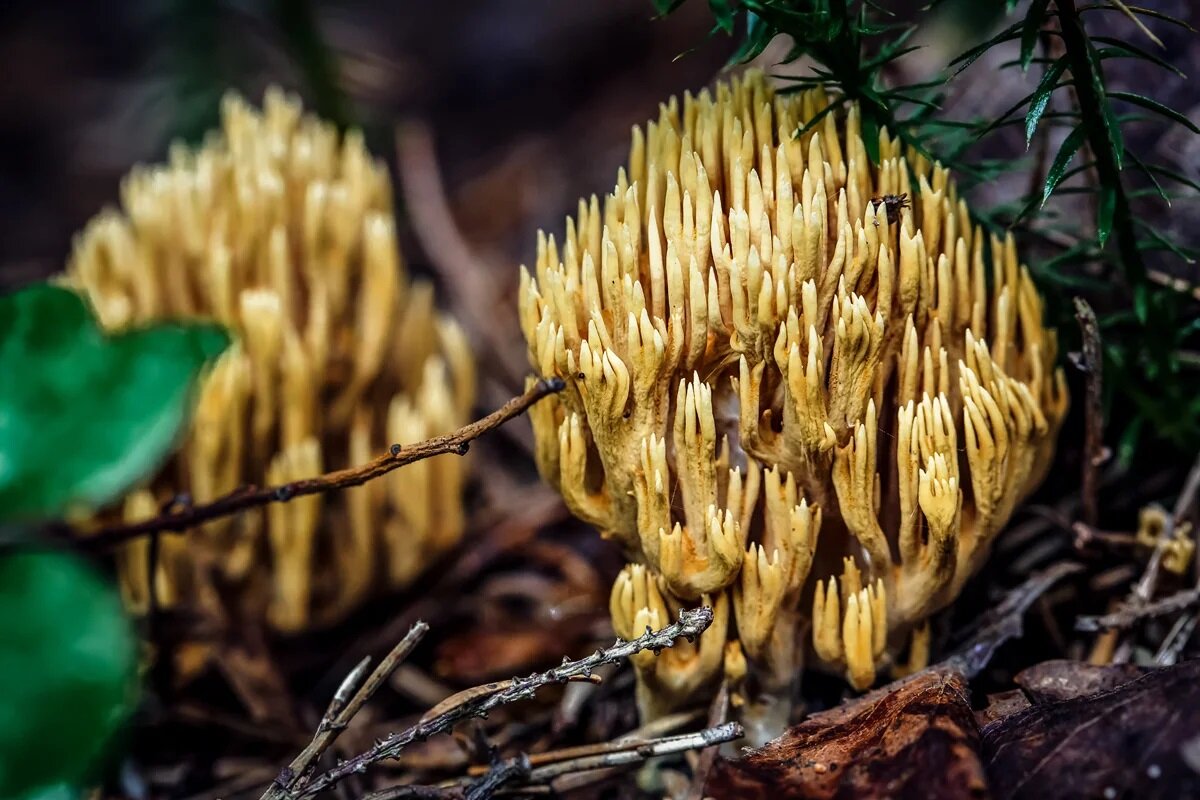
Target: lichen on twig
[(691, 623)]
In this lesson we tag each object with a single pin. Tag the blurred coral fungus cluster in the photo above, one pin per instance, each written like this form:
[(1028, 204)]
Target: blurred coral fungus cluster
[(792, 394), (283, 229)]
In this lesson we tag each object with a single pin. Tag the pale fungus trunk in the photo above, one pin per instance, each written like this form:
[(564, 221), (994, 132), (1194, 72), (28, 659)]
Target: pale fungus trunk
[(791, 392)]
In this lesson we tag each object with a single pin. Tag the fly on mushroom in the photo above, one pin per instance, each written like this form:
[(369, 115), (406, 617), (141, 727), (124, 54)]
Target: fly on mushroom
[(893, 203)]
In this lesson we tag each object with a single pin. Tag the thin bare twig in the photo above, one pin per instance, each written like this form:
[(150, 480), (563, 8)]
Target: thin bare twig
[(346, 703), (1176, 640), (527, 772), (691, 624), (708, 737), (640, 737), (415, 792), (1092, 364), (718, 715), (1004, 622), (1144, 590), (467, 279), (512, 770), (252, 496), (1129, 614)]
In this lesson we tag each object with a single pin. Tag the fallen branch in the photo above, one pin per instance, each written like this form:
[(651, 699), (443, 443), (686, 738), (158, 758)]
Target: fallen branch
[(691, 624), (247, 497)]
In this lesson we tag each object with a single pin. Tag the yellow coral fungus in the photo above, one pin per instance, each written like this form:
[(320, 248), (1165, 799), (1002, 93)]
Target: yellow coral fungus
[(282, 229), (777, 396)]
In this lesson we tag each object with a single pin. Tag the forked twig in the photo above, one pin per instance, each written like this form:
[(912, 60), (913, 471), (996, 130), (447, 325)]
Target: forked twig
[(522, 771), (691, 624), (623, 755), (347, 702), (252, 496), (1128, 614)]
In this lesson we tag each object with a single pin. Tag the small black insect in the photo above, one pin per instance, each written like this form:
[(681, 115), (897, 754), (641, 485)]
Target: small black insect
[(893, 202)]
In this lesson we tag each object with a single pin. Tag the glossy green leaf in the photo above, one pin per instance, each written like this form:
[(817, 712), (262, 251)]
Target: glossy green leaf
[(68, 661), (1159, 241), (1141, 12), (1031, 26), (1041, 97), (1155, 106), (1118, 48), (1173, 175), (90, 413), (664, 7), (723, 12), (758, 36), (1108, 115), (1066, 152), (967, 58), (1145, 170)]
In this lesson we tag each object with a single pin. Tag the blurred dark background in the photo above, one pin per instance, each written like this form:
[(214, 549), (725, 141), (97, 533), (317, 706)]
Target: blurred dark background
[(529, 101)]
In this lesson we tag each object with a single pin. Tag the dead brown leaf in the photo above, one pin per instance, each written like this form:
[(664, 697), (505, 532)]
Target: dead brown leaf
[(1125, 742), (1062, 679), (916, 738), (481, 655)]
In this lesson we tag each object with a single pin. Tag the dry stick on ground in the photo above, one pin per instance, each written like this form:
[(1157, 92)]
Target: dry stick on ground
[(691, 624), (522, 770), (519, 771), (709, 737), (1127, 616), (1143, 592), (642, 736), (1004, 621), (399, 455), (347, 702), (449, 252), (718, 715), (1092, 364)]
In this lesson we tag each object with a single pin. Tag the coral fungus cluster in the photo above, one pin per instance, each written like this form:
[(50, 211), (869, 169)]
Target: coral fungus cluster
[(282, 229), (792, 392)]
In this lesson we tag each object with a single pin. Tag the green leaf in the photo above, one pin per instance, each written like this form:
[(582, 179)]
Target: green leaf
[(1141, 165), (1156, 107), (1031, 26), (968, 58), (1041, 97), (870, 135), (723, 12), (1066, 152), (91, 413), (1112, 127), (1173, 175), (1162, 242), (1140, 11), (665, 7), (820, 115), (1104, 213), (68, 659), (1122, 49), (758, 36)]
